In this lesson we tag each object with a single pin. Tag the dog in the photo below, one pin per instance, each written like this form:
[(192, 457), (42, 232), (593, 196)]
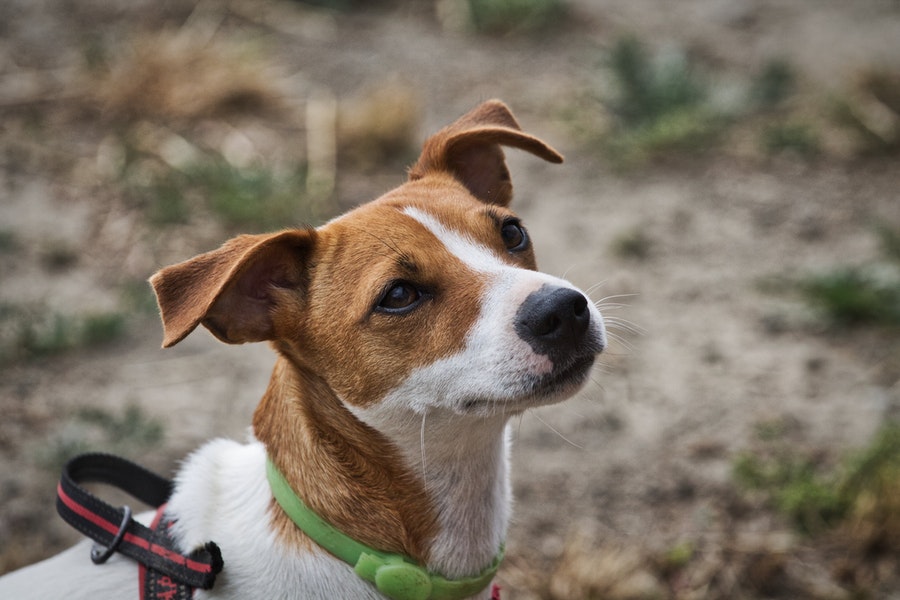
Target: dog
[(408, 332)]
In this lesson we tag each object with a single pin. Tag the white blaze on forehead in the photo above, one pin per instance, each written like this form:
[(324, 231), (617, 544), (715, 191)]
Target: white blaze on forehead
[(462, 247), (480, 258)]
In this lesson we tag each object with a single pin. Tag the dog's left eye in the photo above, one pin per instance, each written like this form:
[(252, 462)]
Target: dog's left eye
[(400, 298), (514, 236)]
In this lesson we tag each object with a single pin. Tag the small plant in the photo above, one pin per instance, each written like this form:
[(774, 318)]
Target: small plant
[(56, 333), (137, 296), (98, 429), (774, 85), (677, 557), (851, 296), (861, 295), (100, 329), (889, 238), (798, 138), (48, 336), (815, 499), (131, 427), (8, 242), (514, 16), (167, 205), (794, 487), (648, 89), (248, 198), (634, 244), (662, 105), (58, 256)]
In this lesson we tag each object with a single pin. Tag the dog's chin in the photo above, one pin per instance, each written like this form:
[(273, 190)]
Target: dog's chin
[(558, 385)]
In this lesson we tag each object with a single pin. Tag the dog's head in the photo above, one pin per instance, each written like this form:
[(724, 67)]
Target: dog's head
[(425, 298)]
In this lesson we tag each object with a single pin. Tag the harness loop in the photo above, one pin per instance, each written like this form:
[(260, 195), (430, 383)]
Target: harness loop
[(100, 555)]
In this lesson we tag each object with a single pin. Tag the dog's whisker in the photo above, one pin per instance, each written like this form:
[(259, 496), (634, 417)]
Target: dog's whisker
[(615, 297), (604, 368), (557, 432), (610, 305), (625, 325), (621, 340), (565, 274), (422, 445), (596, 286), (624, 338)]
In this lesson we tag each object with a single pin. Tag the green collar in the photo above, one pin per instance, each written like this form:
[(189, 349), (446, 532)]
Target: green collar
[(394, 575)]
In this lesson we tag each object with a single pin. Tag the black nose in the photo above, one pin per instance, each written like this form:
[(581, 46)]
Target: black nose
[(553, 320)]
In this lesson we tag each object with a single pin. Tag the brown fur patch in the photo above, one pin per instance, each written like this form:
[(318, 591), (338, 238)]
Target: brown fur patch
[(347, 473)]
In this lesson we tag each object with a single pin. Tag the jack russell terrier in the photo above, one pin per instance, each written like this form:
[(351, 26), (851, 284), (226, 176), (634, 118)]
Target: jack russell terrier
[(408, 332)]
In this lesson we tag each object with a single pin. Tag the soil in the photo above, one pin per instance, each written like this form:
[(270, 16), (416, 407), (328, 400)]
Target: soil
[(714, 342)]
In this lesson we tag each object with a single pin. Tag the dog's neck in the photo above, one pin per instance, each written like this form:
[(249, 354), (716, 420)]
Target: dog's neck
[(463, 463), (433, 487)]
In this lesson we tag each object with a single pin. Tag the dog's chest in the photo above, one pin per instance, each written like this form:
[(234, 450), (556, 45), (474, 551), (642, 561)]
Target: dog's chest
[(222, 495)]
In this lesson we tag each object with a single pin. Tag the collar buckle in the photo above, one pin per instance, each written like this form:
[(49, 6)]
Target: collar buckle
[(394, 577)]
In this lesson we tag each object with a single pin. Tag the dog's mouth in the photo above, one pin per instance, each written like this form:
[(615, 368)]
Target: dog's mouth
[(561, 383)]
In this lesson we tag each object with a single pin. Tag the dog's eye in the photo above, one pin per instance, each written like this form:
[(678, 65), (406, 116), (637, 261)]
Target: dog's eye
[(514, 236), (400, 298)]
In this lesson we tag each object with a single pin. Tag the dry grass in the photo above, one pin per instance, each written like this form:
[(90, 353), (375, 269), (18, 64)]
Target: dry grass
[(185, 75), (379, 126), (871, 110), (610, 572)]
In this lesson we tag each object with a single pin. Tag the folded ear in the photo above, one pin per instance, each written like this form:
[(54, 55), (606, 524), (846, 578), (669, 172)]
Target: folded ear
[(232, 291), (470, 149)]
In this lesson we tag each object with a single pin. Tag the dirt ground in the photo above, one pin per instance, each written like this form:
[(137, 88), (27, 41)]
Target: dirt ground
[(641, 461)]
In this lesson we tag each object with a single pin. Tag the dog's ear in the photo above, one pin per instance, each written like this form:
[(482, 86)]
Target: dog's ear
[(232, 291), (470, 149)]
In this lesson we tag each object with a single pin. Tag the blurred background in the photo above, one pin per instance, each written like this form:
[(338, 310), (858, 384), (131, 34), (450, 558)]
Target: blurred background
[(731, 199)]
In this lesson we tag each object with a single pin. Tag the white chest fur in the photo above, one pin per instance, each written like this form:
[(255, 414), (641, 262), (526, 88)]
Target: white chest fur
[(223, 495)]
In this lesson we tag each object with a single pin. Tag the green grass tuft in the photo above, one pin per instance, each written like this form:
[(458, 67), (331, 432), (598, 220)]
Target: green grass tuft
[(98, 429), (41, 336), (816, 499), (131, 427), (9, 243), (100, 329), (253, 198), (889, 238), (648, 89), (662, 105), (774, 85), (798, 138), (634, 244), (853, 296), (515, 16)]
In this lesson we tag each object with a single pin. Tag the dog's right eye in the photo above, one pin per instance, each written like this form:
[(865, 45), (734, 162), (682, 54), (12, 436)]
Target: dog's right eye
[(400, 298), (514, 235)]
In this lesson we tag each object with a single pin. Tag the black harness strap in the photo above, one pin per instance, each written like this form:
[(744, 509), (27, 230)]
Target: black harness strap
[(153, 584), (114, 528)]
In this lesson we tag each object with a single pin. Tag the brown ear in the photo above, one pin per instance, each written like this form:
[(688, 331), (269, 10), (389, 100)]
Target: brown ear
[(231, 291), (470, 149)]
